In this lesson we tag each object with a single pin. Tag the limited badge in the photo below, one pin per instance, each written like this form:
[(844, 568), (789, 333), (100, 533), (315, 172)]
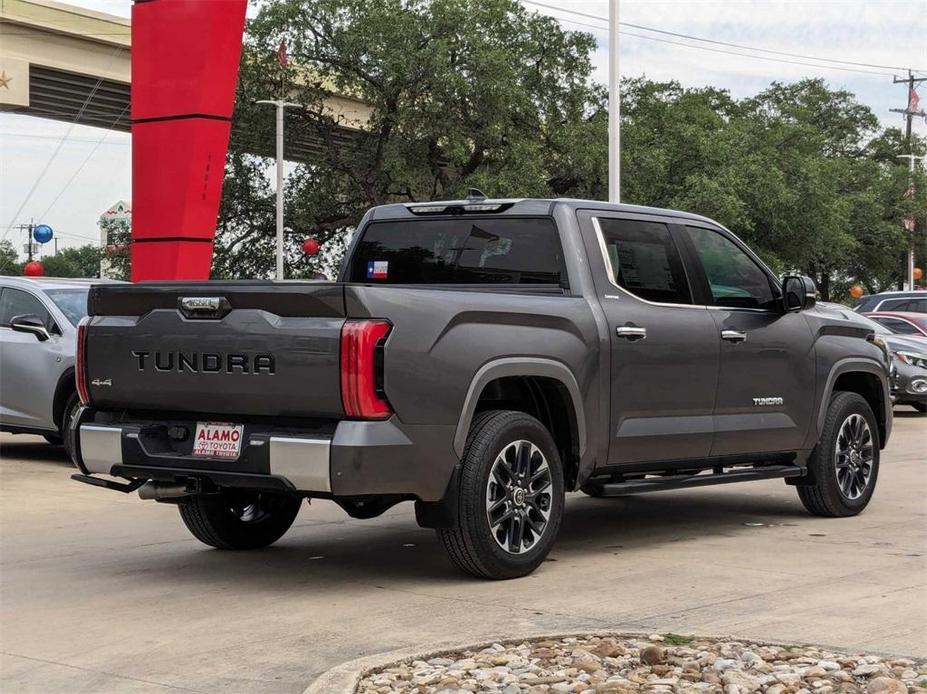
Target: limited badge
[(377, 269)]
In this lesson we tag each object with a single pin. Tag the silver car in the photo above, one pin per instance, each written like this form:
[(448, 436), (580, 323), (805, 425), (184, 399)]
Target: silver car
[(38, 341)]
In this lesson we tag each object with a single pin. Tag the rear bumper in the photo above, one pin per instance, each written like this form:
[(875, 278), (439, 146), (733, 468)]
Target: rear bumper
[(300, 464), (341, 459)]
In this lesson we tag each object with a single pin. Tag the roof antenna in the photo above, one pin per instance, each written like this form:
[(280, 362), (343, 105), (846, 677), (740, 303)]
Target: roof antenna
[(475, 194)]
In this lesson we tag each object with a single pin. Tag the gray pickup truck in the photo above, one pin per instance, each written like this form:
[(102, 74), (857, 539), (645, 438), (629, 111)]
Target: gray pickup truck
[(481, 358)]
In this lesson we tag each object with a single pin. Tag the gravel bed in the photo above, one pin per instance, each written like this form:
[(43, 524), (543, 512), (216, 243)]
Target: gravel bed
[(639, 664)]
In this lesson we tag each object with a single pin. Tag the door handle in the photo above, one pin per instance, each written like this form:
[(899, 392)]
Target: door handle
[(632, 334), (734, 336)]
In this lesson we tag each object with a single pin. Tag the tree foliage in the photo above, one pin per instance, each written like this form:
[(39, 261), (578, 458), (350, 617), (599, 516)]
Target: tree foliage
[(494, 96), (9, 259)]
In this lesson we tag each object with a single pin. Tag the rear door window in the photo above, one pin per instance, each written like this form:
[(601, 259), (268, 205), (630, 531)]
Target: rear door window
[(644, 260), (504, 250)]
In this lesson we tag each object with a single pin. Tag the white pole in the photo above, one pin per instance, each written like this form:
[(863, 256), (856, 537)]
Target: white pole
[(911, 238), (614, 106), (280, 106), (909, 274)]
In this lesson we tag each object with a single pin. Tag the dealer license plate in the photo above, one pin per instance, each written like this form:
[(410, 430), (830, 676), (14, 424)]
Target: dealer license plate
[(218, 440)]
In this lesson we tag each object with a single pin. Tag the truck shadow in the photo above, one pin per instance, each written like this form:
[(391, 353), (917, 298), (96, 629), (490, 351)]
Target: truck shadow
[(391, 552), (31, 449)]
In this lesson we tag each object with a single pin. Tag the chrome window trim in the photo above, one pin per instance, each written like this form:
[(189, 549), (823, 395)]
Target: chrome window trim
[(610, 270)]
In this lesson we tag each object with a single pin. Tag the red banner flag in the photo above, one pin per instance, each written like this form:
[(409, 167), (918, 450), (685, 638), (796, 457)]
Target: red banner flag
[(282, 56), (913, 100)]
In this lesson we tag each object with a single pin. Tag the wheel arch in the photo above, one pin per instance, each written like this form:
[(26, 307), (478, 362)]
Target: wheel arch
[(543, 388), (867, 379), (66, 386)]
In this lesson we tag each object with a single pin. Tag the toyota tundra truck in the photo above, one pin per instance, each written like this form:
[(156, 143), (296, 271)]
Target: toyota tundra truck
[(481, 358)]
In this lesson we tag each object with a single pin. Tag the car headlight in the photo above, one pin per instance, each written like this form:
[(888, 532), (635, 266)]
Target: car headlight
[(912, 358)]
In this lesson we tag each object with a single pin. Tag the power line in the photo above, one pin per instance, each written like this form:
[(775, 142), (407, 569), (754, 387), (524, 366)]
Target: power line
[(84, 163), (720, 50), (54, 155), (713, 41)]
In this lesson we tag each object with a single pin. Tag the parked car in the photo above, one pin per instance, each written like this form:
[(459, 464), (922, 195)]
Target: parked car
[(481, 358), (914, 302), (913, 324), (909, 359), (38, 319)]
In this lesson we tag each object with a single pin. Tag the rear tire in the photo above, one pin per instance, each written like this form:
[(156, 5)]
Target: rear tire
[(510, 497), (845, 463), (70, 409), (239, 519)]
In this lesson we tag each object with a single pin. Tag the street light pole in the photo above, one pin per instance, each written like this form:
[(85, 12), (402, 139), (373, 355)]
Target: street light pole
[(281, 106), (910, 264), (614, 106)]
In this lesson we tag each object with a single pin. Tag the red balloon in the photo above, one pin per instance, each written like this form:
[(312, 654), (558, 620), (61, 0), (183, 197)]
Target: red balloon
[(33, 269), (311, 246)]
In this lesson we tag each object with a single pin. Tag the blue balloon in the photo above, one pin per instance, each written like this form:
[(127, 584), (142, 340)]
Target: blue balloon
[(42, 233)]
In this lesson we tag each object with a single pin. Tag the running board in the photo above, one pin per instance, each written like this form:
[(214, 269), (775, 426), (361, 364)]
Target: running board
[(659, 484)]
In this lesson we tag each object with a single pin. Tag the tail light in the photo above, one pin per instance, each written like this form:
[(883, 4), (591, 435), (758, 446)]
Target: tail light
[(362, 369), (80, 367)]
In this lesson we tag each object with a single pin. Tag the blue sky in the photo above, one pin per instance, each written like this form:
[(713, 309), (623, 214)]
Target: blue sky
[(882, 32)]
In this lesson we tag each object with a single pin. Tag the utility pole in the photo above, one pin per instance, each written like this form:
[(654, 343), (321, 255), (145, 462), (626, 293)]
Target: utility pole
[(28, 229), (614, 106), (281, 106), (910, 110)]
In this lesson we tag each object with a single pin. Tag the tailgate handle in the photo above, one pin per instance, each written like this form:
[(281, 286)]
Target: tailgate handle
[(203, 306)]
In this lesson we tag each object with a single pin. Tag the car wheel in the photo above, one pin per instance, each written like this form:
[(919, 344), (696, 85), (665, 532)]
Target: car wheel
[(845, 463), (510, 497), (70, 409), (239, 519)]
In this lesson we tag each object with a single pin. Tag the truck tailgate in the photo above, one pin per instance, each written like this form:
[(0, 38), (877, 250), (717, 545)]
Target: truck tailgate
[(239, 348)]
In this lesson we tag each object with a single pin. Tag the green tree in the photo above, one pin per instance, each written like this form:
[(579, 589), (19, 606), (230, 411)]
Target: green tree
[(83, 261), (9, 259), (117, 230), (462, 94)]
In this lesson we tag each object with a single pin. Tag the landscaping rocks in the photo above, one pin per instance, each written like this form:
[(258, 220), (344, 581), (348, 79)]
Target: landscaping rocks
[(668, 664)]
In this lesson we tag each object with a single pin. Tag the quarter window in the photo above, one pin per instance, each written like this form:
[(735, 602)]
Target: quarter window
[(734, 279), (644, 260)]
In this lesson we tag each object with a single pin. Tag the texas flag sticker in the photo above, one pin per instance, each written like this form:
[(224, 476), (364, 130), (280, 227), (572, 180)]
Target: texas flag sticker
[(377, 269)]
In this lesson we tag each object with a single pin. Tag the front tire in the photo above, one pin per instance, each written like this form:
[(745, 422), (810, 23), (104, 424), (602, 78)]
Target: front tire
[(239, 519), (510, 497), (845, 463)]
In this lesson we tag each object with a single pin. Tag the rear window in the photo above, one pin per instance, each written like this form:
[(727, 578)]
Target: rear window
[(459, 251)]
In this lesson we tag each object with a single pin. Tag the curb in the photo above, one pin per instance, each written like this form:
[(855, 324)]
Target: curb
[(344, 678)]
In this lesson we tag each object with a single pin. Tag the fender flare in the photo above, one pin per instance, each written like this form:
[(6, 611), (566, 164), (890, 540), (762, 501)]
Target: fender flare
[(848, 365), (520, 366)]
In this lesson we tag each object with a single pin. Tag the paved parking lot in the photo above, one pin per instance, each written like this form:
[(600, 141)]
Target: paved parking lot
[(102, 592)]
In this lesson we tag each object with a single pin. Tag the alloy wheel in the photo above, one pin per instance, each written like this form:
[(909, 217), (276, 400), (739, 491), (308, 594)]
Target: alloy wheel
[(519, 497), (853, 456)]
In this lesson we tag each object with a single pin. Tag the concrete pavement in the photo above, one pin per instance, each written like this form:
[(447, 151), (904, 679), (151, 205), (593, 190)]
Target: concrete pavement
[(102, 592)]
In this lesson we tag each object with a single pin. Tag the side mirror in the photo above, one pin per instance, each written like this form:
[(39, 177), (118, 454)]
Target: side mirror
[(30, 323), (798, 292)]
